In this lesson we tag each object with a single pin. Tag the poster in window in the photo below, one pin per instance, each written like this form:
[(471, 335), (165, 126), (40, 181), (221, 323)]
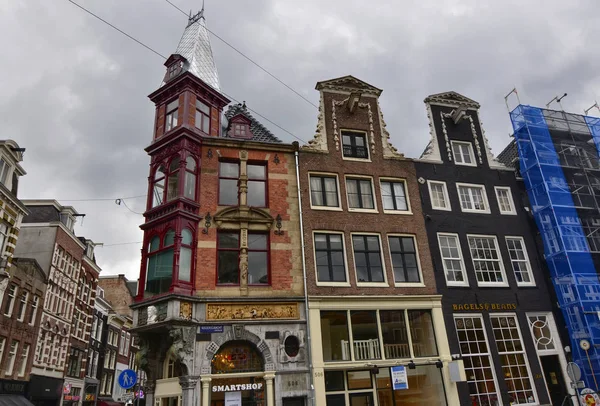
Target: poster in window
[(233, 398), (399, 377)]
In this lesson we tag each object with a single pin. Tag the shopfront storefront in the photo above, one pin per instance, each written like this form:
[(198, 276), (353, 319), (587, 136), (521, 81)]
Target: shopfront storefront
[(44, 390), (359, 348)]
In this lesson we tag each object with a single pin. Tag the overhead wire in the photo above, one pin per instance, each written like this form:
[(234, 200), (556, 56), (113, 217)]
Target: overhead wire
[(251, 60), (164, 57)]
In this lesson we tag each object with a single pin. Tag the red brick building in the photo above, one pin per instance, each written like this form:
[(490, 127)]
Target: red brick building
[(370, 280), (221, 273)]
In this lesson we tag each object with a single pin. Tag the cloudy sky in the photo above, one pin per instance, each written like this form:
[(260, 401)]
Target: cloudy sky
[(74, 91)]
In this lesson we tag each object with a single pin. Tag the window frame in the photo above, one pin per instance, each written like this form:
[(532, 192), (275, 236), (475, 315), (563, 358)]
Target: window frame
[(172, 115), (385, 282), (511, 201), (238, 250), (239, 164), (22, 308), (523, 352), (162, 248), (406, 195), (355, 133), (265, 165), (344, 254), (471, 153), (444, 191), (337, 186), (465, 282), (500, 261), (35, 303), (483, 195), (359, 178), (267, 251), (527, 260), (10, 300), (203, 115), (421, 282), (10, 367)]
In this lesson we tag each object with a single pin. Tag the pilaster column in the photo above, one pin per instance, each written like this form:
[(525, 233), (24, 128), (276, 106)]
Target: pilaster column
[(149, 393), (188, 384), (269, 377), (205, 390)]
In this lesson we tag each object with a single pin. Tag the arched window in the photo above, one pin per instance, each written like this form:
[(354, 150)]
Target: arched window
[(173, 181), (172, 368), (185, 256), (158, 186), (159, 270), (237, 356), (189, 189)]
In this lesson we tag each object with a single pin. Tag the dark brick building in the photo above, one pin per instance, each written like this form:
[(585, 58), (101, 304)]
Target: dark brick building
[(495, 295)]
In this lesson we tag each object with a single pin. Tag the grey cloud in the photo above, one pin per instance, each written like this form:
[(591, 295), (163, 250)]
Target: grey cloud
[(75, 91)]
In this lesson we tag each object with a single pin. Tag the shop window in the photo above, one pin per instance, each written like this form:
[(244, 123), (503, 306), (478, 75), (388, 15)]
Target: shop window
[(479, 368), (422, 333), (334, 333), (159, 271), (541, 331), (185, 256), (229, 174), (359, 380), (513, 359), (425, 384), (324, 191), (236, 357), (365, 335), (395, 334)]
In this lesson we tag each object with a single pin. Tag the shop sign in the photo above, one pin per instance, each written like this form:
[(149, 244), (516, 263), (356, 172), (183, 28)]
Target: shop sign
[(8, 387), (485, 306), (211, 329), (233, 398), (90, 397), (238, 387), (66, 389), (399, 377), (70, 398)]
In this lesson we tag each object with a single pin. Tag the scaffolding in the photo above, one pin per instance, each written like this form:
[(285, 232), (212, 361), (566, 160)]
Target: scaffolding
[(559, 162)]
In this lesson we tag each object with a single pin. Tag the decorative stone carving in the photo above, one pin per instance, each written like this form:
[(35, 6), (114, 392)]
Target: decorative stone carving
[(243, 154), (188, 382), (243, 267), (319, 141), (254, 311), (336, 138), (452, 99), (475, 138), (445, 132), (349, 84), (185, 310), (235, 215), (183, 341)]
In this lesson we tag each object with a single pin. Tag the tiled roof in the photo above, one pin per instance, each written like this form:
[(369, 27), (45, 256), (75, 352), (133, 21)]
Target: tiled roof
[(510, 155), (259, 132)]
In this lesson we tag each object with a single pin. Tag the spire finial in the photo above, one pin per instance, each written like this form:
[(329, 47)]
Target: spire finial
[(202, 11)]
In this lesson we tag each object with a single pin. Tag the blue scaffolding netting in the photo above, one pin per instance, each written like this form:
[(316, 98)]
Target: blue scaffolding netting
[(556, 202)]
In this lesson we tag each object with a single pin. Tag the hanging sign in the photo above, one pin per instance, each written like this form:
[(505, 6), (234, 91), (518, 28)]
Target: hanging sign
[(399, 377), (233, 398), (589, 397)]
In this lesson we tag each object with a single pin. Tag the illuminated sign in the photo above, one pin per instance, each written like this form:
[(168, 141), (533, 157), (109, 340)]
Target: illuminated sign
[(485, 306), (231, 388)]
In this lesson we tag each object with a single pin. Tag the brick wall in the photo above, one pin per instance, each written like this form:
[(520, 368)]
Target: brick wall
[(347, 222), (117, 294)]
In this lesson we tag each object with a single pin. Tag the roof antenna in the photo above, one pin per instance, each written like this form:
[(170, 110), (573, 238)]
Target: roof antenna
[(557, 99)]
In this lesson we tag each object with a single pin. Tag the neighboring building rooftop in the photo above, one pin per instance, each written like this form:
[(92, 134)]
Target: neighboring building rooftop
[(259, 132), (509, 155)]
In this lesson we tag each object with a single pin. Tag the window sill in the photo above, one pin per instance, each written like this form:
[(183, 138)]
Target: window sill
[(409, 284), (526, 285), (334, 284), (457, 284), (349, 158), (508, 213), (401, 212), (357, 210), (463, 164), (372, 284), (475, 211), (441, 209), (327, 208), (492, 285)]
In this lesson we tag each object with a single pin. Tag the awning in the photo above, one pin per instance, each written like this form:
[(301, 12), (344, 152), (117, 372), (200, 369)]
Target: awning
[(14, 400), (106, 403)]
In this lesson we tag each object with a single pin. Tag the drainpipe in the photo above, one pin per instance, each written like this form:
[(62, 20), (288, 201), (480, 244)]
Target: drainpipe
[(308, 338)]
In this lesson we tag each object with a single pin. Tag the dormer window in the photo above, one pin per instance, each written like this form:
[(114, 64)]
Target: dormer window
[(67, 220), (355, 144), (172, 70), (463, 153), (4, 170), (171, 115), (240, 130), (202, 116), (89, 251)]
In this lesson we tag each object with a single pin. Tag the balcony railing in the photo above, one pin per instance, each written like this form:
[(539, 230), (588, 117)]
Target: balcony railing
[(369, 349)]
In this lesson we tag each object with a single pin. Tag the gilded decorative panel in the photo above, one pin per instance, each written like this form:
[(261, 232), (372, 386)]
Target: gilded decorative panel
[(253, 311)]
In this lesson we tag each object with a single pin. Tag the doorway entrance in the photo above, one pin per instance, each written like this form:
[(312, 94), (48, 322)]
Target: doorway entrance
[(554, 378)]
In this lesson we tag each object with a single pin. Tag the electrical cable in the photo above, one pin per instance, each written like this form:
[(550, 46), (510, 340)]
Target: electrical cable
[(164, 57), (251, 60)]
